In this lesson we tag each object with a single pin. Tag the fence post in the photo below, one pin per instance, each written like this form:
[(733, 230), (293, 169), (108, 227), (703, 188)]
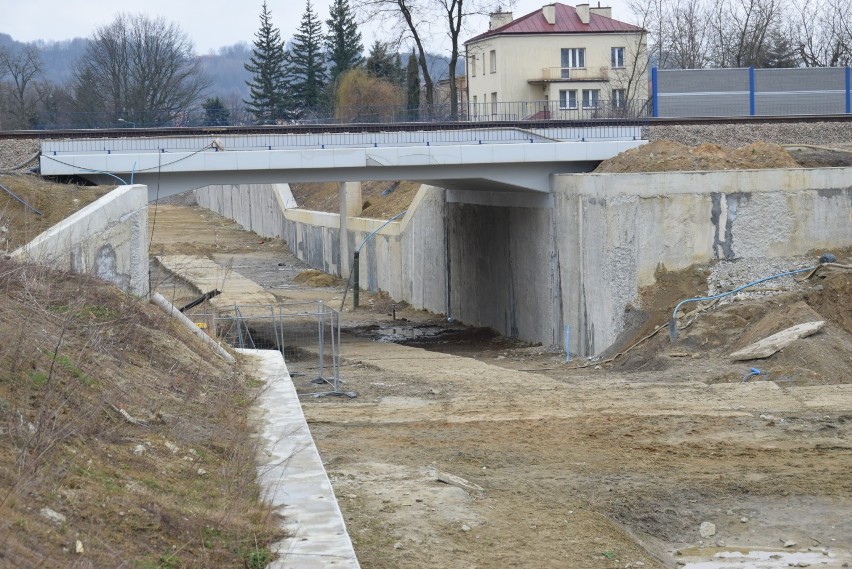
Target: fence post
[(655, 105), (321, 338), (356, 278), (751, 105), (848, 90)]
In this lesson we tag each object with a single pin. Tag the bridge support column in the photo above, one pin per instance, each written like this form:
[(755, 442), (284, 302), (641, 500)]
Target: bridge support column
[(350, 201)]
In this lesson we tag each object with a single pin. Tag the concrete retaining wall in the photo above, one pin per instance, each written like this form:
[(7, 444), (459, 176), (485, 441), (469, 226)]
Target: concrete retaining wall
[(256, 207), (615, 230), (407, 259), (529, 272), (108, 238)]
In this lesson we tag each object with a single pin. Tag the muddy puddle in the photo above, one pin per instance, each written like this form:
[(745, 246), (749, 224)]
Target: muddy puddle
[(744, 558)]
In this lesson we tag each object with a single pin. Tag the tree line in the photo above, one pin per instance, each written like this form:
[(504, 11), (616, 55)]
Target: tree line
[(696, 34), (142, 71), (323, 70)]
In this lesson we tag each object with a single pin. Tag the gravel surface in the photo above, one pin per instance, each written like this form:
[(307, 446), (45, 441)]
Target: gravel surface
[(728, 275), (820, 133), (14, 152)]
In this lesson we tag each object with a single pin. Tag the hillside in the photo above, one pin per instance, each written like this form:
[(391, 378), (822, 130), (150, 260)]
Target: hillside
[(121, 436)]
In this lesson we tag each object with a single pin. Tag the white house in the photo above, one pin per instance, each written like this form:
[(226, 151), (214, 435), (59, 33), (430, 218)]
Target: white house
[(579, 56)]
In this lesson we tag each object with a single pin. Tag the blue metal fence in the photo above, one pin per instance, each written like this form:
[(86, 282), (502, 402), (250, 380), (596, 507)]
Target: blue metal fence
[(678, 93)]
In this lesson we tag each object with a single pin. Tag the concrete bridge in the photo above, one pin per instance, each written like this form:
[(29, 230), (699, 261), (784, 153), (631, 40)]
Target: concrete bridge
[(563, 256), (495, 160)]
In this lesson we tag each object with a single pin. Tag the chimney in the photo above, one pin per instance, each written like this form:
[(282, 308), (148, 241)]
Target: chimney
[(604, 11), (549, 12), (583, 12), (499, 19)]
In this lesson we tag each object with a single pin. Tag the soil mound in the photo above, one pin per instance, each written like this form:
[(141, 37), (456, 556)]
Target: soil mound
[(715, 334), (668, 156), (312, 277)]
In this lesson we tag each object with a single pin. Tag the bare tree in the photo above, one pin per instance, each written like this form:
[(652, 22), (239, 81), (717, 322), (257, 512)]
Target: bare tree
[(139, 69), (417, 22), (823, 34), (687, 35), (23, 65), (411, 21), (653, 16), (741, 30)]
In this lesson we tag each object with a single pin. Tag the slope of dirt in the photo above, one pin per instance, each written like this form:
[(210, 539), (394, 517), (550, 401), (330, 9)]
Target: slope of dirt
[(121, 436), (668, 156), (19, 225), (382, 199)]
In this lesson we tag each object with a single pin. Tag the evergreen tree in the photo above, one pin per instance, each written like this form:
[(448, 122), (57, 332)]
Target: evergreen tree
[(306, 66), (343, 42), (215, 112), (268, 85), (383, 64), (413, 87)]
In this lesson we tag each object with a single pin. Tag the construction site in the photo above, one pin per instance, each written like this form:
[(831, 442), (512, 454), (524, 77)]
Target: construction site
[(471, 427)]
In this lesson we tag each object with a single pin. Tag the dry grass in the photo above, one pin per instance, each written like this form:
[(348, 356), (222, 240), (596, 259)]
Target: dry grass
[(123, 423), (56, 201), (382, 199)]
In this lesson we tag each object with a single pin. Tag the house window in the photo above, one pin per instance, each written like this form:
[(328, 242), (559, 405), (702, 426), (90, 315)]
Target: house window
[(568, 99), (619, 98), (473, 66), (574, 57), (493, 56), (617, 57), (494, 102), (591, 98)]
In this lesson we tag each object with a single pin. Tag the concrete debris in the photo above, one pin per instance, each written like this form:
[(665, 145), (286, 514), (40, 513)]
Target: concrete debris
[(728, 275), (790, 543), (397, 545), (52, 515), (172, 447), (457, 481), (139, 450), (78, 547), (768, 346), (707, 529), (202, 472)]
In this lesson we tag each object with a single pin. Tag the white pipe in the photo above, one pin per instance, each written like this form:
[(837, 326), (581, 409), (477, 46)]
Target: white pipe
[(167, 307)]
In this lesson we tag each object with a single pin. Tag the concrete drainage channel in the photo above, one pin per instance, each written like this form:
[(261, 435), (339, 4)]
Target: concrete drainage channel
[(291, 473)]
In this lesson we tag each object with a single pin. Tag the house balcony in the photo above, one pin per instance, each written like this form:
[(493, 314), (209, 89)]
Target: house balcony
[(559, 74)]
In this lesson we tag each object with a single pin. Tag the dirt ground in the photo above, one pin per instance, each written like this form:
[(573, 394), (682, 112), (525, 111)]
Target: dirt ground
[(582, 463)]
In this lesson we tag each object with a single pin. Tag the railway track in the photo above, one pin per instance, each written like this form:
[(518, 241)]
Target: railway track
[(401, 127)]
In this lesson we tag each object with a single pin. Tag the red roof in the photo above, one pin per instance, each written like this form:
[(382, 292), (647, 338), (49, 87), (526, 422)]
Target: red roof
[(567, 22)]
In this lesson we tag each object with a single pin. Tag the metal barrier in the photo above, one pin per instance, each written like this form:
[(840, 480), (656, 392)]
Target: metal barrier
[(307, 333), (545, 112)]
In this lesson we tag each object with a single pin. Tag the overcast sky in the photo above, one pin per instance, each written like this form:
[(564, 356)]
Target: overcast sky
[(210, 23)]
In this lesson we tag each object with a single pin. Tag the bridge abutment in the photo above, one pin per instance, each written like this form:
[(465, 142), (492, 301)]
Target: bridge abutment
[(580, 258)]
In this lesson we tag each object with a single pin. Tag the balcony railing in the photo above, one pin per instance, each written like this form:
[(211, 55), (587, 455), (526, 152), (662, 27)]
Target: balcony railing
[(573, 74)]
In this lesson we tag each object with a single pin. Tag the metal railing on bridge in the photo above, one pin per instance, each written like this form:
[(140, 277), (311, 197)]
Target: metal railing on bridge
[(541, 113)]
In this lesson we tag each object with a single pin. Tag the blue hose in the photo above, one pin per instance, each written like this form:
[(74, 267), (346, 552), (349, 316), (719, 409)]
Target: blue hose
[(673, 321)]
